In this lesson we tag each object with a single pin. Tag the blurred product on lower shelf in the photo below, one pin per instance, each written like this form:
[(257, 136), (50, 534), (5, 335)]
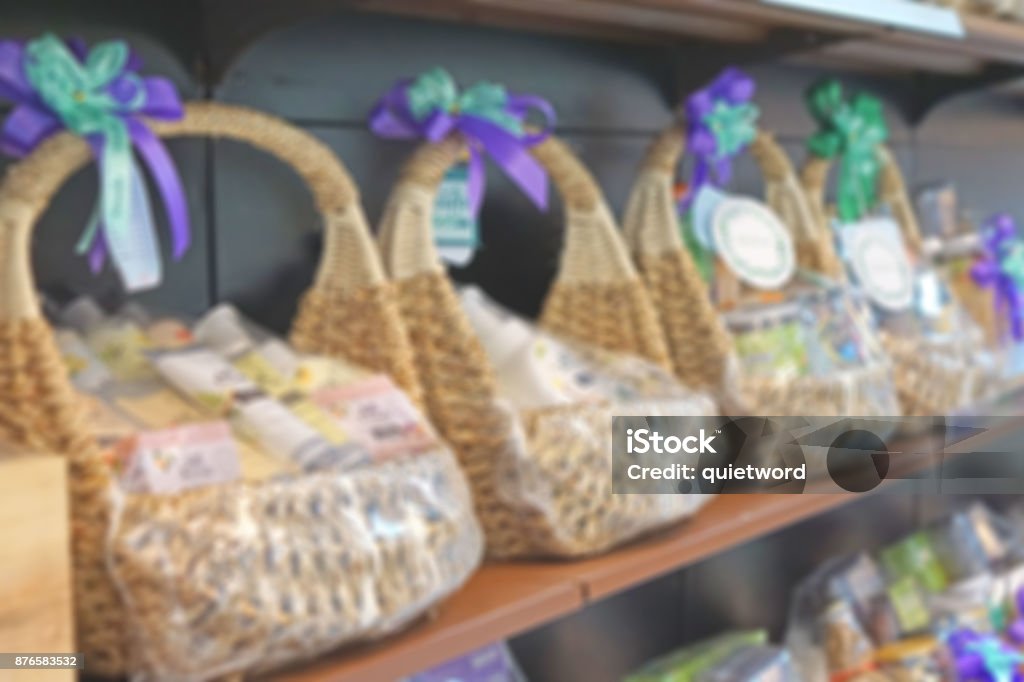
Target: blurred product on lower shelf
[(919, 612), (731, 657), (492, 663), (296, 502)]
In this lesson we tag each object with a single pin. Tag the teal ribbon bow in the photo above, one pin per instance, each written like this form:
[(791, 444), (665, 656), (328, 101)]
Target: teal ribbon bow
[(78, 93), (851, 131), (733, 125), (435, 91), (488, 116)]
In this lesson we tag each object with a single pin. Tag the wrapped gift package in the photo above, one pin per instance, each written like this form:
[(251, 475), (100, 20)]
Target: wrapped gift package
[(749, 334), (939, 356), (540, 471), (258, 566)]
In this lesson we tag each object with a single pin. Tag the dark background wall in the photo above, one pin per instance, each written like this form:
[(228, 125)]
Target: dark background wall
[(256, 237)]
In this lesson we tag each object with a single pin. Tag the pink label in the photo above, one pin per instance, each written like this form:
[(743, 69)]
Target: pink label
[(379, 416), (179, 458)]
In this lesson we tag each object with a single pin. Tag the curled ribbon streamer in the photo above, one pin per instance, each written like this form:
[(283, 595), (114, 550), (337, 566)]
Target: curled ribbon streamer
[(1001, 267), (486, 115), (721, 121), (852, 132), (96, 94)]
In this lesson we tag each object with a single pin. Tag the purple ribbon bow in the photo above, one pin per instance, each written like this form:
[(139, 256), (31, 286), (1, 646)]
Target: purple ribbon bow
[(486, 115), (720, 123), (1001, 267), (57, 85)]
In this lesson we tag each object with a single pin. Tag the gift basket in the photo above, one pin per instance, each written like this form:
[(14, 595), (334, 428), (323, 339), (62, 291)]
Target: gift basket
[(245, 574), (940, 604), (742, 281), (938, 353), (541, 475)]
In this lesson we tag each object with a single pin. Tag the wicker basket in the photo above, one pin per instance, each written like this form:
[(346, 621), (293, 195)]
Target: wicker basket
[(533, 498), (702, 348), (933, 376), (191, 574)]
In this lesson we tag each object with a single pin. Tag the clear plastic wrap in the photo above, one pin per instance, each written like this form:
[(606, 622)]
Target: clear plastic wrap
[(731, 656), (248, 577), (558, 400), (816, 354), (225, 568)]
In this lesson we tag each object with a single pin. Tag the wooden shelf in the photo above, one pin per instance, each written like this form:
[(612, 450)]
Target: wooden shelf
[(986, 40), (501, 600), (745, 29), (504, 600)]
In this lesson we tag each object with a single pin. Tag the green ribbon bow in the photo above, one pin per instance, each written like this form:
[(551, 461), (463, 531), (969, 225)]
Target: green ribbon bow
[(851, 131), (435, 93), (79, 94)]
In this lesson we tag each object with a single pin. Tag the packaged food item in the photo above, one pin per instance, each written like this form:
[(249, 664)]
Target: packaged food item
[(688, 663), (974, 541), (915, 557), (219, 389), (975, 604), (536, 369), (912, 660), (118, 340), (848, 649), (268, 361), (88, 373), (753, 664)]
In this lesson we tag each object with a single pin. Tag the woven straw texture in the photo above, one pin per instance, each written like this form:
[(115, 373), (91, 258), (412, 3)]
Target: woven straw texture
[(350, 312), (535, 494), (932, 378), (702, 349)]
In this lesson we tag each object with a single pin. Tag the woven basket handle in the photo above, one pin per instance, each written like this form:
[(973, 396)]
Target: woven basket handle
[(349, 260), (592, 251), (892, 189), (782, 189)]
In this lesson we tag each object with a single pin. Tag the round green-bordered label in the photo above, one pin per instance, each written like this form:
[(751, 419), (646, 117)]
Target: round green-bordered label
[(753, 242), (879, 260)]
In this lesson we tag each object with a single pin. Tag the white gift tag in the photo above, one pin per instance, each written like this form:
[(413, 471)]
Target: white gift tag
[(753, 242), (137, 257), (456, 229), (878, 259), (702, 214)]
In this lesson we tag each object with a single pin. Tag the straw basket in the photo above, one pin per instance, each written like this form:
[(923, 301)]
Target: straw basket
[(243, 575), (541, 479), (933, 376), (702, 347)]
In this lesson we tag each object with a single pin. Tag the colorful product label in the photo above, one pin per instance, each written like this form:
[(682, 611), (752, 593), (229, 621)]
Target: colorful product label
[(179, 458)]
